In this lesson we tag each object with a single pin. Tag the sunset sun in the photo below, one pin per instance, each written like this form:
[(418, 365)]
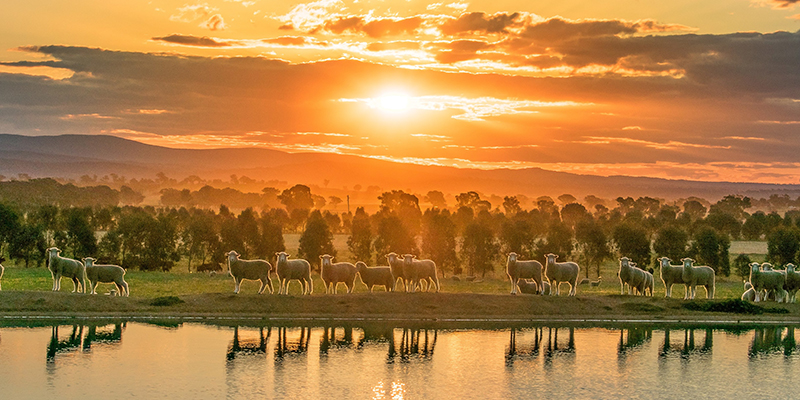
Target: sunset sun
[(395, 102)]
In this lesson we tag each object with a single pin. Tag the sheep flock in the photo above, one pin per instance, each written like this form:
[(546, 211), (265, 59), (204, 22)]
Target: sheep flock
[(526, 276)]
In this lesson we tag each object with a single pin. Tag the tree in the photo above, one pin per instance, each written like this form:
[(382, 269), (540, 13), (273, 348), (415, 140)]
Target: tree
[(574, 212), (517, 235), (436, 199), (439, 239), (28, 244), (712, 248), (392, 236), (271, 235), (335, 201), (199, 236), (80, 236), (632, 242), (404, 206), (671, 242), (473, 201), (783, 244), (741, 264), (9, 225), (316, 239), (479, 249), (592, 243), (558, 240), (298, 202), (360, 240), (511, 205), (694, 209), (567, 198)]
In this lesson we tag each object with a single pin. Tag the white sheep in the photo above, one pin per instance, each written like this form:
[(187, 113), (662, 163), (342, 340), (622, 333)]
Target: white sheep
[(649, 284), (698, 275), (558, 273), (105, 273), (766, 281), (792, 283), (335, 273), (517, 270), (749, 294), (376, 276), (252, 270), (421, 271), (2, 269), (629, 275), (670, 275), (297, 269), (397, 265), (67, 268)]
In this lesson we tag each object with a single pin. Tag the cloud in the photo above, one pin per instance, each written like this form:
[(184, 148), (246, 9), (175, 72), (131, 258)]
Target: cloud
[(394, 45), (309, 16), (190, 40), (214, 23), (378, 27), (191, 13), (481, 23), (781, 4)]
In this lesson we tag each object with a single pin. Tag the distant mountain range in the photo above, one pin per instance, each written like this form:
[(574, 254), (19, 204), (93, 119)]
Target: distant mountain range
[(71, 156)]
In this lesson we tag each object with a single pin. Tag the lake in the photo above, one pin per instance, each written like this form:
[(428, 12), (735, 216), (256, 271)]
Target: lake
[(387, 361)]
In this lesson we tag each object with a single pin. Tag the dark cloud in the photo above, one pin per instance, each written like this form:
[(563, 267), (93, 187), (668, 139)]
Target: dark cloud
[(784, 3), (375, 28), (480, 23), (559, 30), (189, 40)]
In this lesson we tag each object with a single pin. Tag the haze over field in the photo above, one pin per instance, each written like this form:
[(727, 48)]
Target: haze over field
[(694, 90)]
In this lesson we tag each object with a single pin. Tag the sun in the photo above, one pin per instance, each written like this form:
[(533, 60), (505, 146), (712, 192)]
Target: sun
[(394, 102)]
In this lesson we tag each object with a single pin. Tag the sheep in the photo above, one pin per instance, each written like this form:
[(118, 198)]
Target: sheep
[(629, 275), (792, 283), (749, 294), (765, 281), (517, 270), (253, 270), (648, 283), (67, 268), (297, 269), (2, 269), (421, 271), (333, 274), (557, 273), (698, 275), (530, 287), (398, 269), (105, 273), (375, 276), (670, 275)]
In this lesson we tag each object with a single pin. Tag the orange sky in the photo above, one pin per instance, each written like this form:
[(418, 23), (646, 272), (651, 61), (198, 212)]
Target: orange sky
[(704, 90)]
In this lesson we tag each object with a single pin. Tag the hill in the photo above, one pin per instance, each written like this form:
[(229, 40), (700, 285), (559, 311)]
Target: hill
[(71, 156)]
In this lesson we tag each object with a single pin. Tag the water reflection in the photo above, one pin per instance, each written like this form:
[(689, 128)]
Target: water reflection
[(771, 340), (239, 347), (330, 339), (688, 348), (414, 344), (76, 340), (516, 351)]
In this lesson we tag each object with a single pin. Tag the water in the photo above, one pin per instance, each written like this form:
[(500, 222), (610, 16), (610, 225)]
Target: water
[(139, 360)]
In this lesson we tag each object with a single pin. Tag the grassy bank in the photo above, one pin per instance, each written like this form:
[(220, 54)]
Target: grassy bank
[(27, 292)]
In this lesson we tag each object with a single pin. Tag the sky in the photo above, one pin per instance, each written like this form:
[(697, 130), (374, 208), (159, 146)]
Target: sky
[(700, 90)]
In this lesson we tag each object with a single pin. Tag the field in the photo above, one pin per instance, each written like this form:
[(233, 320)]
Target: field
[(27, 291)]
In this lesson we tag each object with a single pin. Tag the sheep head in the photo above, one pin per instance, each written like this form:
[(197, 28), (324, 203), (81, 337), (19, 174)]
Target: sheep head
[(409, 258), (512, 257), (687, 262), (391, 256), (326, 259), (551, 257), (789, 267), (282, 256), (53, 251), (664, 261), (89, 261)]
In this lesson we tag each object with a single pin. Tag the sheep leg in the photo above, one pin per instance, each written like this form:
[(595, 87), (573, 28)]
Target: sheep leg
[(237, 282), (94, 286), (514, 283), (668, 290), (263, 285), (269, 284), (350, 287), (124, 285), (75, 285)]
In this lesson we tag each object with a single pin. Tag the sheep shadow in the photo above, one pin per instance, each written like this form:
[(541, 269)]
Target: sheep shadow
[(248, 347), (689, 348), (771, 340), (330, 340), (515, 351)]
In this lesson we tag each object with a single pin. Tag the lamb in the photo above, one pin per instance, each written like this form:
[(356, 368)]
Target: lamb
[(297, 269), (530, 287), (629, 275), (766, 281), (105, 273), (791, 286), (699, 275), (421, 271), (517, 270), (333, 274), (2, 269), (253, 270), (398, 269), (557, 273), (67, 268), (375, 276), (670, 275)]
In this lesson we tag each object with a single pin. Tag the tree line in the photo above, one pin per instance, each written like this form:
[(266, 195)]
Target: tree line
[(470, 237)]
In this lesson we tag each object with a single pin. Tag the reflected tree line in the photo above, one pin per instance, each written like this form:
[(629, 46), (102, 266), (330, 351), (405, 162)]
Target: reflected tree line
[(418, 344)]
